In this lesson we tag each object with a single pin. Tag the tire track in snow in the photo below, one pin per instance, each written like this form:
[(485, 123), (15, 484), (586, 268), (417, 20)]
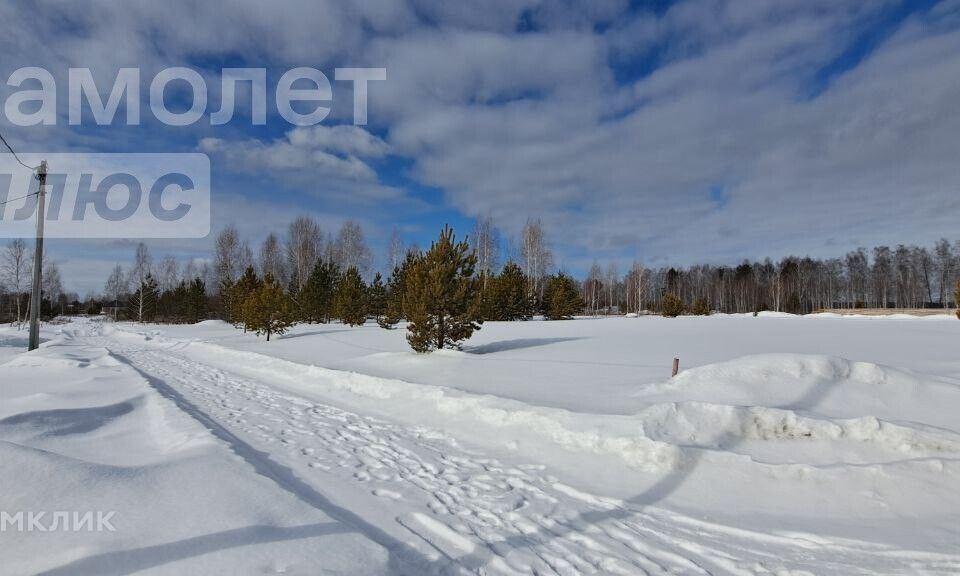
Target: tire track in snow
[(472, 513), (403, 558)]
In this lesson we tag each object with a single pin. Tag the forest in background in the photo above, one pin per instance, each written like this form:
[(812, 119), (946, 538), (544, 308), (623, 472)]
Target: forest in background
[(308, 265)]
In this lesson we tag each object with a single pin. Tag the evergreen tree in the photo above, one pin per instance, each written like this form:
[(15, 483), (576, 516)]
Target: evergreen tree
[(441, 298), (267, 309), (956, 297), (195, 296), (351, 298), (180, 302), (507, 296), (700, 308), (489, 296), (167, 306), (229, 310), (672, 306), (317, 297), (561, 298), (236, 295), (377, 298), (396, 288), (143, 303)]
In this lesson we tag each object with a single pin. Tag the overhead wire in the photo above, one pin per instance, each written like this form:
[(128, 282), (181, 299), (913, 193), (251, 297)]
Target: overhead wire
[(34, 168), (17, 198), (10, 148)]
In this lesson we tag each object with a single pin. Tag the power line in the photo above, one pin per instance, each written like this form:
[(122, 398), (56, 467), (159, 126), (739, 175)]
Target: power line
[(18, 198), (10, 148)]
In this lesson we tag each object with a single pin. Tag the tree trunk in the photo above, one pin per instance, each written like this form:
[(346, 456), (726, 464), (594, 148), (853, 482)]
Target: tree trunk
[(440, 332)]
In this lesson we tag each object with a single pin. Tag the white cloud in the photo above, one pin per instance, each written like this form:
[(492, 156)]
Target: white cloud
[(334, 156), (613, 170), (535, 124)]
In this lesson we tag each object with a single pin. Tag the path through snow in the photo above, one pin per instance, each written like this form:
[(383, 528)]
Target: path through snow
[(426, 496)]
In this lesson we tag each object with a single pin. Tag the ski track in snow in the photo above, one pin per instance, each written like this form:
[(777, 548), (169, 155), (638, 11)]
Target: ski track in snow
[(465, 512)]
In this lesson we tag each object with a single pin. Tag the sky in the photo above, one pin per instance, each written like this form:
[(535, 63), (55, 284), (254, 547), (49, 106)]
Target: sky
[(666, 132)]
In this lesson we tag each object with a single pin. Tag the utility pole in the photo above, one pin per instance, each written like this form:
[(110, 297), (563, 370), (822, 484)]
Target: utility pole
[(38, 259)]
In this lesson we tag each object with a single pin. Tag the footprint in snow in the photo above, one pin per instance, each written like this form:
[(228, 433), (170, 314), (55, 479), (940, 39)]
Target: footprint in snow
[(387, 494)]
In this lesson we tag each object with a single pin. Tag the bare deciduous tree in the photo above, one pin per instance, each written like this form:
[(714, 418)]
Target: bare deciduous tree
[(636, 282), (593, 288), (117, 285), (52, 284), (537, 257), (168, 274), (304, 246), (190, 271), (142, 267), (272, 260), (228, 256), (945, 266), (612, 281), (395, 251), (351, 250), (485, 243), (16, 271)]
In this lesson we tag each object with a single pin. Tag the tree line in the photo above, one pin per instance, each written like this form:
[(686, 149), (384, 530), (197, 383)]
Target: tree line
[(455, 285), (883, 277), (439, 292), (16, 278)]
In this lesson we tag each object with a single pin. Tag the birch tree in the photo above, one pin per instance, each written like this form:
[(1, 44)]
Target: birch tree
[(635, 286), (351, 250), (272, 260), (168, 274), (485, 244), (396, 252), (231, 257), (304, 246), (142, 264), (16, 273), (536, 255), (117, 285), (944, 263)]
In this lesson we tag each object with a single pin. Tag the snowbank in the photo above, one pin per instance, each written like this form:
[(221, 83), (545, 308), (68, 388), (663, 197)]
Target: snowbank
[(83, 434)]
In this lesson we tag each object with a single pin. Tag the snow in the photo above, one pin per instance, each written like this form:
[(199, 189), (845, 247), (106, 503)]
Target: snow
[(786, 445)]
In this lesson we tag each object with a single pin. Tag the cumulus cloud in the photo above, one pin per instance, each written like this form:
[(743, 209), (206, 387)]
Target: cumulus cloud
[(617, 127), (318, 151), (735, 102)]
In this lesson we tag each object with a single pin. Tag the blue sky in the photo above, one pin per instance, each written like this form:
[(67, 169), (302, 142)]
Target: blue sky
[(669, 132)]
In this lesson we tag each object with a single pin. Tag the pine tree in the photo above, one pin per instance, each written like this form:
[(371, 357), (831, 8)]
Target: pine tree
[(956, 297), (317, 297), (396, 288), (561, 298), (143, 303), (181, 301), (351, 299), (267, 309), (442, 297), (235, 295), (167, 307), (672, 306), (507, 296), (195, 308), (377, 298), (489, 296), (700, 308)]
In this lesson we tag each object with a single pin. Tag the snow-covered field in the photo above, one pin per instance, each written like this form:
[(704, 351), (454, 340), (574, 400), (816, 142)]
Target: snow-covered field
[(787, 445)]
